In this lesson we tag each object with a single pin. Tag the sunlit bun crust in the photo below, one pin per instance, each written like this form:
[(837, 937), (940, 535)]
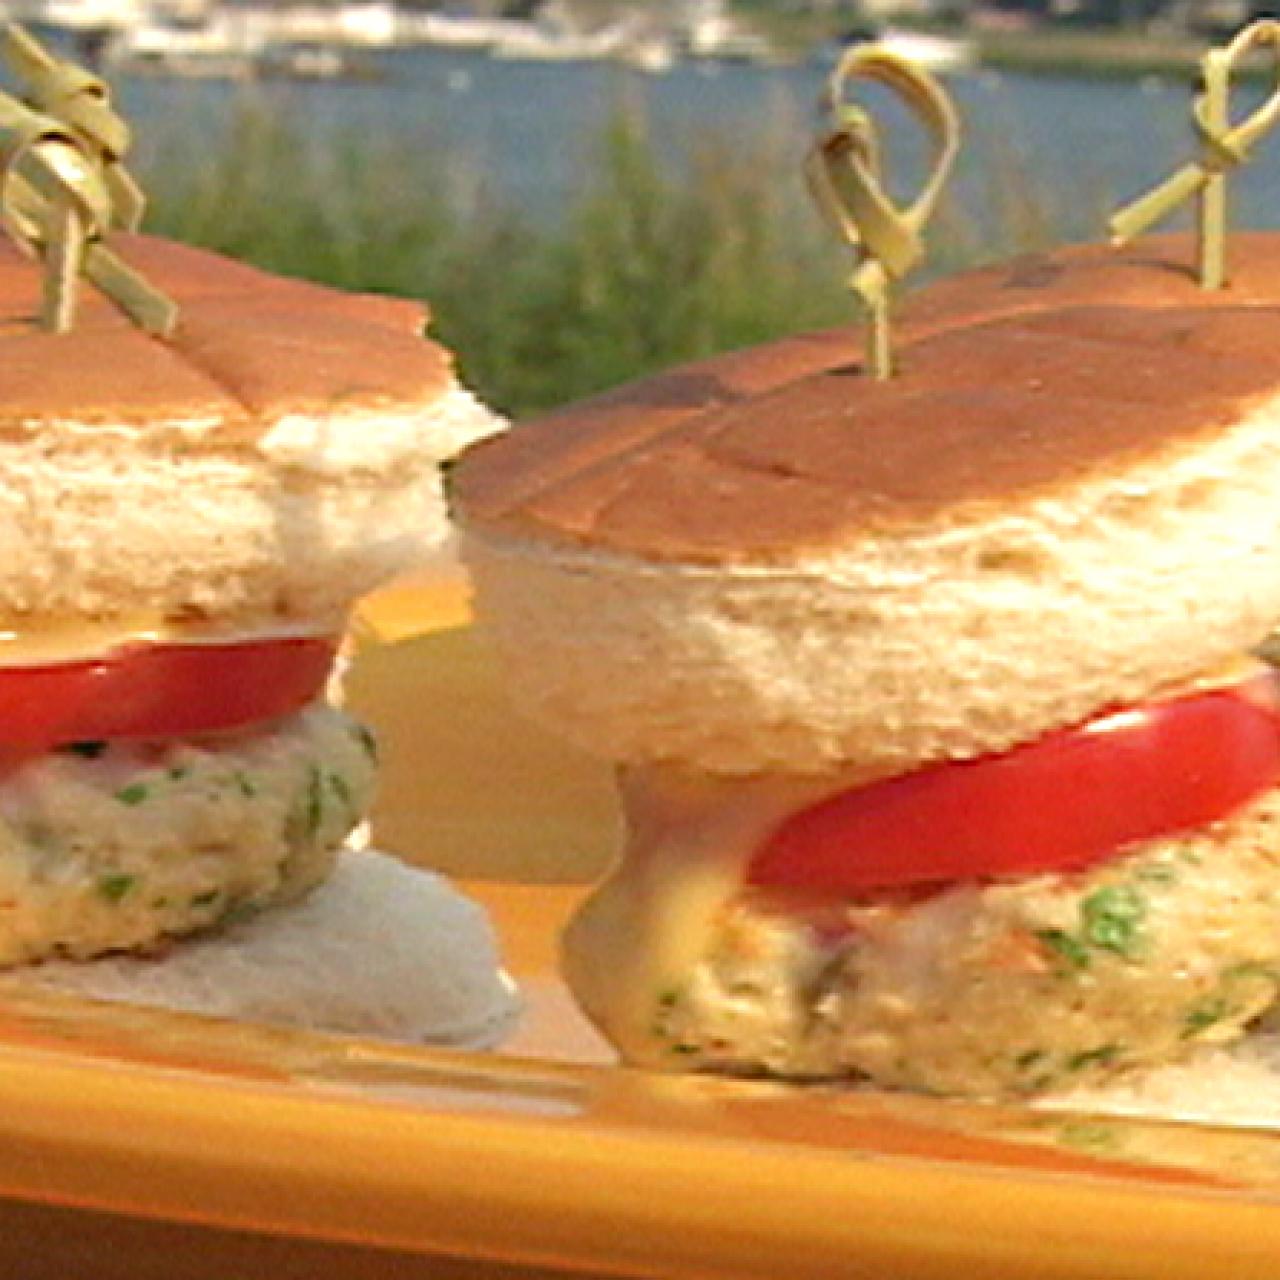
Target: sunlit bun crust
[(743, 567), (1158, 271), (286, 441)]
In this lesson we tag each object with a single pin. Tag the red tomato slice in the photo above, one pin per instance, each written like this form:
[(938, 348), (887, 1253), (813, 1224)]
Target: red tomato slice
[(1061, 803), (159, 691)]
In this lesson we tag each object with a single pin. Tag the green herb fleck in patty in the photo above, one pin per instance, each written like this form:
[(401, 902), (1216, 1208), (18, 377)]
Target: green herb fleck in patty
[(1111, 919), (1073, 954), (115, 885), (1089, 1135), (315, 801), (1204, 1014), (338, 785), (1242, 988), (365, 737), (1102, 1056)]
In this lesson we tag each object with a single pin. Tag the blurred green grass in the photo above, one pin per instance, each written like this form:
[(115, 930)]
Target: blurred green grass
[(646, 269)]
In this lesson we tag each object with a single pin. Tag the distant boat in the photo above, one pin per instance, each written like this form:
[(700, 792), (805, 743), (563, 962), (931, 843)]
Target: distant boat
[(928, 49), (654, 56), (315, 62), (449, 32), (235, 67), (717, 37), (214, 52), (77, 15), (532, 42), (369, 24), (195, 52)]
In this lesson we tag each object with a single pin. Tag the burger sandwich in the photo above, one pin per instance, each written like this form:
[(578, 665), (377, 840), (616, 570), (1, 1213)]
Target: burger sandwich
[(185, 525), (947, 755)]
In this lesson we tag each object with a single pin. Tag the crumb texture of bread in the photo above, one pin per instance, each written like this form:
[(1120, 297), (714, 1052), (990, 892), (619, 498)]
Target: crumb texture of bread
[(949, 640), (381, 949), (295, 524)]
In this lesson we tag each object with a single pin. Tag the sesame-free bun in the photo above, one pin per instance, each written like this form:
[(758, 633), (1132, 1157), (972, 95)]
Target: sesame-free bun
[(275, 458), (747, 565)]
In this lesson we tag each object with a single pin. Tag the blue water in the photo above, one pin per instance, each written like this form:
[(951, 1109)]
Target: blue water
[(526, 131)]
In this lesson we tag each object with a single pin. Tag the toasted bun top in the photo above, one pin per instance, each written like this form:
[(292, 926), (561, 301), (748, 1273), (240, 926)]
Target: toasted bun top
[(758, 457), (769, 563), (1159, 271), (250, 348)]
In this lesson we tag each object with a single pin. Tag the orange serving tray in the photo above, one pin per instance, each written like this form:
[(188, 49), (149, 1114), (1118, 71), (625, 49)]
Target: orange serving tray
[(141, 1144)]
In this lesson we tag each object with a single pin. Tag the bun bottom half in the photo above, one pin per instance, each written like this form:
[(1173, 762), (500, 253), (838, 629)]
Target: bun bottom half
[(380, 949)]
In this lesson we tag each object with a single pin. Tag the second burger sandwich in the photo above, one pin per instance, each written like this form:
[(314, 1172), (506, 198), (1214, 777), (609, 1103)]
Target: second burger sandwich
[(185, 525), (945, 759)]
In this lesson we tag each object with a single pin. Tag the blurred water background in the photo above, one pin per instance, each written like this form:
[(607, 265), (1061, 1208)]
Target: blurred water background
[(576, 225)]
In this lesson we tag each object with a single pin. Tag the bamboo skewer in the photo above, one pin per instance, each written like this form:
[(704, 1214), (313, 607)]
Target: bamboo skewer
[(1223, 148), (846, 176)]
